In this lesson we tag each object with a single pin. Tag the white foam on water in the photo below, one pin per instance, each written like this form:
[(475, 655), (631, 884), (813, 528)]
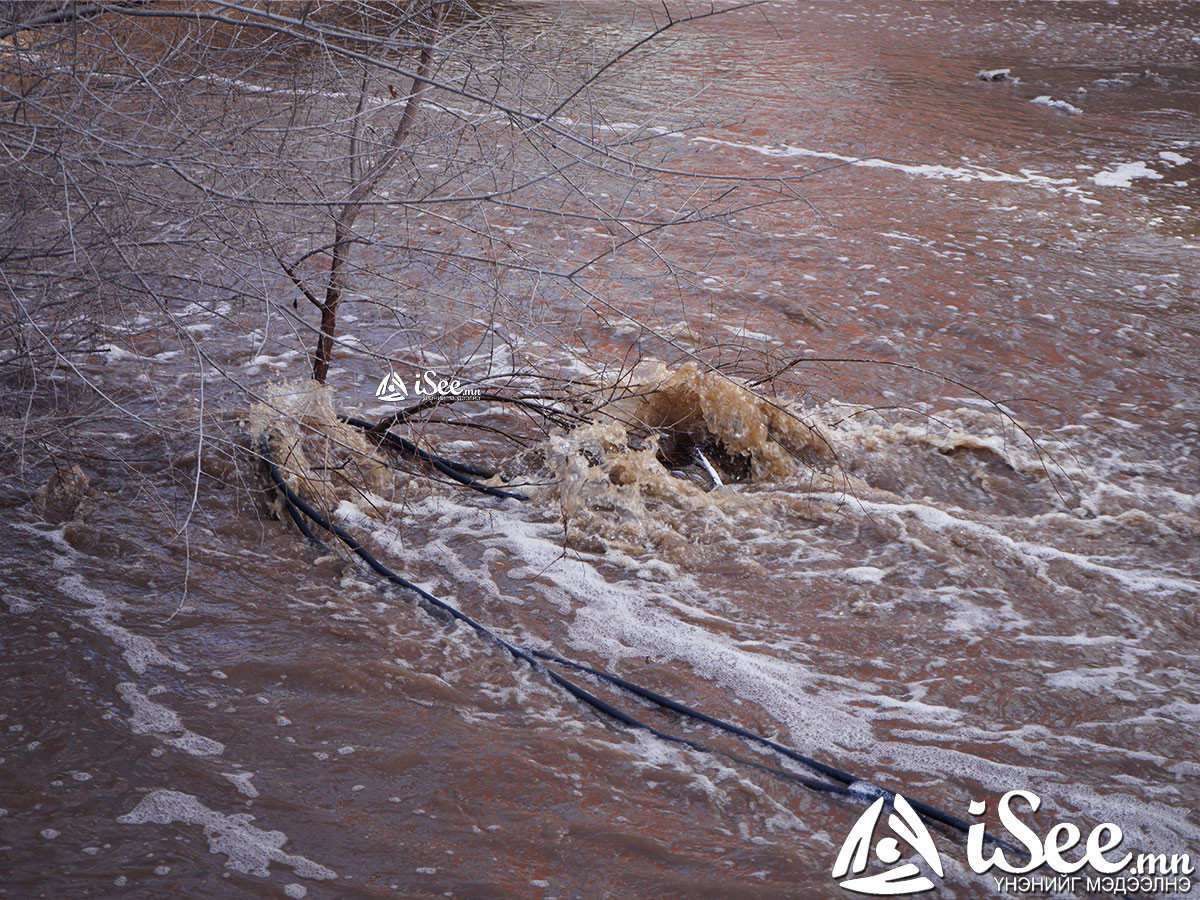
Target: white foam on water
[(140, 652), (938, 172), (942, 521), (241, 781), (619, 619), (864, 575), (1107, 480), (1076, 640), (934, 171), (249, 850), (1123, 175), (154, 718), (1148, 825), (716, 779), (627, 618), (19, 605), (64, 554), (1157, 823), (1173, 158), (1099, 681), (924, 751)]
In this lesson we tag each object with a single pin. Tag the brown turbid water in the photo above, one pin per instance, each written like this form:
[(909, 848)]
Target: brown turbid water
[(946, 597)]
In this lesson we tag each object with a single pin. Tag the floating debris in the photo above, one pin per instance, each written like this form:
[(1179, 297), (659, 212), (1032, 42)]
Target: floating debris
[(1061, 105), (996, 75)]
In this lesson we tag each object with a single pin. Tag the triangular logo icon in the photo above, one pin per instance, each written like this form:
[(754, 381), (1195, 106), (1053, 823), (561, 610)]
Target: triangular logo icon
[(905, 879), (391, 388)]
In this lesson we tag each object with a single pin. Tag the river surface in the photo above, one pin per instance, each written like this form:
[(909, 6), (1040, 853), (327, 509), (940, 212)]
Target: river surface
[(199, 703)]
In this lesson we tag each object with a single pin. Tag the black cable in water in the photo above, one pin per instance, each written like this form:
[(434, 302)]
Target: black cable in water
[(848, 785), (684, 710), (461, 472), (297, 504), (412, 449), (690, 712)]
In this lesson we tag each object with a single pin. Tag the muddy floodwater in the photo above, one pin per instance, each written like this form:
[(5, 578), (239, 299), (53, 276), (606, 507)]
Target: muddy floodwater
[(975, 570)]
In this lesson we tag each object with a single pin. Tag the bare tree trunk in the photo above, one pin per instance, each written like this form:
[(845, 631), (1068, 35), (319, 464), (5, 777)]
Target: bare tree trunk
[(344, 223)]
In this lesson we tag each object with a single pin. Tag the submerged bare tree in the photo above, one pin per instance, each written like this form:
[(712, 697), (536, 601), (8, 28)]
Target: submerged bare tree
[(179, 177)]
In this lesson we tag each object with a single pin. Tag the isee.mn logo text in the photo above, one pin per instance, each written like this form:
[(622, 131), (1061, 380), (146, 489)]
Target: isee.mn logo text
[(1098, 868), (393, 388)]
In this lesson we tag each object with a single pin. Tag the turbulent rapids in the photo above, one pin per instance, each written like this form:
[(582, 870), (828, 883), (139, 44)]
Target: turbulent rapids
[(702, 409), (624, 471)]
